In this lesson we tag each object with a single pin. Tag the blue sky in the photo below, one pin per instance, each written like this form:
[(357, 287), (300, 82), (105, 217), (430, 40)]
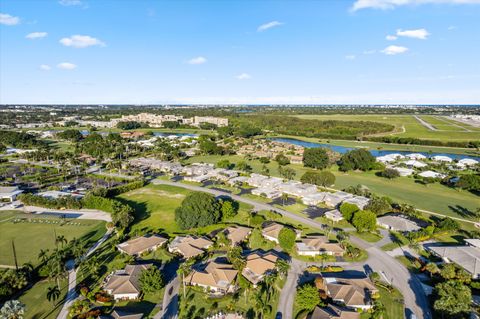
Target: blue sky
[(314, 52)]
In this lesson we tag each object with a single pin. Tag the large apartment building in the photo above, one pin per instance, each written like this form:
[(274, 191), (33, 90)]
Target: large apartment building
[(158, 120)]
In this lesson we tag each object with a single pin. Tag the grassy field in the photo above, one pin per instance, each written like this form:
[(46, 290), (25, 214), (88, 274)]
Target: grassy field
[(29, 238), (36, 302), (405, 126), (370, 237), (434, 197)]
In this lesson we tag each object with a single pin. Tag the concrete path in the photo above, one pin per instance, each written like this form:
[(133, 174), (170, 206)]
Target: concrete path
[(72, 278), (415, 299)]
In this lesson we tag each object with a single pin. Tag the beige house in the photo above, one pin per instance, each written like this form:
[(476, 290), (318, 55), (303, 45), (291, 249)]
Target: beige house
[(271, 231), (258, 265), (140, 245), (237, 234), (318, 245), (333, 312), (214, 277), (189, 246), (124, 284), (354, 293)]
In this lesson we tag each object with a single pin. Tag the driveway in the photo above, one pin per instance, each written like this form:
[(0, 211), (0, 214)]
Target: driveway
[(285, 304), (415, 299)]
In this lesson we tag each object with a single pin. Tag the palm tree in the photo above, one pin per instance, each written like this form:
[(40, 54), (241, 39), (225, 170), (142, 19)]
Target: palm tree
[(183, 270), (12, 309), (53, 293), (261, 305), (432, 268), (93, 266), (43, 255), (60, 239), (268, 284), (282, 267), (284, 198)]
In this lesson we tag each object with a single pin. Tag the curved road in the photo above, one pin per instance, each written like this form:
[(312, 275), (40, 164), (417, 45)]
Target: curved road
[(415, 299)]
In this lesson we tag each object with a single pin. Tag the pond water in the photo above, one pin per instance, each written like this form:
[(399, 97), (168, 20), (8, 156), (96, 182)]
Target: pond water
[(376, 153), (163, 134)]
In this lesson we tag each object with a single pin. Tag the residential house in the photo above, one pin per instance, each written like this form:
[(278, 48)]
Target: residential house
[(415, 164), (267, 192), (120, 313), (354, 293), (402, 171), (124, 284), (189, 246), (258, 265), (271, 230), (441, 158), (359, 201), (9, 193), (214, 276), (334, 215), (314, 199), (431, 174), (318, 245), (467, 257), (416, 156), (140, 245), (237, 234), (398, 223), (334, 199), (333, 312)]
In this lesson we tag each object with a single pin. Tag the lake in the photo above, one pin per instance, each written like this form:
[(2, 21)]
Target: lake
[(376, 153), (165, 134)]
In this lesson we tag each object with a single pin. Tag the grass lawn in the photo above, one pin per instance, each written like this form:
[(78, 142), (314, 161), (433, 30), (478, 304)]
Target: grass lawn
[(370, 237), (36, 303), (393, 302), (29, 238)]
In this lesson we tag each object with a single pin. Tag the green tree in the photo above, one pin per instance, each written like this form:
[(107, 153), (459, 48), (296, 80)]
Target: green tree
[(357, 159), (225, 164), (453, 297), (287, 172), (323, 178), (234, 256), (282, 267), (229, 209), (128, 125), (243, 166), (390, 173), (448, 271), (282, 160), (151, 280), (364, 221), (286, 238), (379, 205), (432, 268), (308, 297), (316, 158), (348, 210), (198, 209)]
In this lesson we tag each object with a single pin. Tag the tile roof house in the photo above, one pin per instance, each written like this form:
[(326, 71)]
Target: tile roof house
[(333, 312), (140, 245), (258, 265), (237, 234), (213, 276), (124, 284), (189, 246), (355, 293), (318, 245), (271, 230)]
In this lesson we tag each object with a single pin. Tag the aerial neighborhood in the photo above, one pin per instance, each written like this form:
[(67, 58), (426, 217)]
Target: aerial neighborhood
[(164, 216)]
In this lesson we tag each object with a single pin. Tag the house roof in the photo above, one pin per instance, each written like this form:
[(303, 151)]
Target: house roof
[(126, 281), (258, 264), (138, 245), (272, 230), (333, 312), (214, 274), (467, 257), (190, 246), (122, 314), (318, 243), (353, 292), (237, 234), (398, 222)]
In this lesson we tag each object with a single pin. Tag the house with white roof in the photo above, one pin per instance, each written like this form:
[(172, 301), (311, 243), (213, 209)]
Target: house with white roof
[(416, 156), (431, 174), (397, 223), (270, 193), (334, 215), (256, 180), (441, 158), (468, 162), (334, 199), (467, 257), (297, 189), (404, 171), (359, 201), (314, 199), (9, 193), (239, 180), (415, 164)]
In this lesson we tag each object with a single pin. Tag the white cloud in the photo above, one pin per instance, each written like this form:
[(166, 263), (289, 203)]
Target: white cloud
[(392, 4), (45, 67), (269, 25), (243, 76), (369, 52), (69, 3), (66, 66), (197, 60), (391, 37), (81, 41), (7, 19), (394, 49), (36, 35), (421, 34), (350, 57)]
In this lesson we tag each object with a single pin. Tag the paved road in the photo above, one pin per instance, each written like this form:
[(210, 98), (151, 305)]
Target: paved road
[(170, 301), (426, 124), (285, 303), (72, 278), (379, 261), (76, 214)]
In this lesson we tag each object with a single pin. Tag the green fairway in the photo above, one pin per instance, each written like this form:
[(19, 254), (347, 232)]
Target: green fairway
[(29, 238), (405, 126), (37, 304)]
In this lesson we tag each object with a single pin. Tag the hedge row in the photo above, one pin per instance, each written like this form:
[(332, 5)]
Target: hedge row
[(417, 141)]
